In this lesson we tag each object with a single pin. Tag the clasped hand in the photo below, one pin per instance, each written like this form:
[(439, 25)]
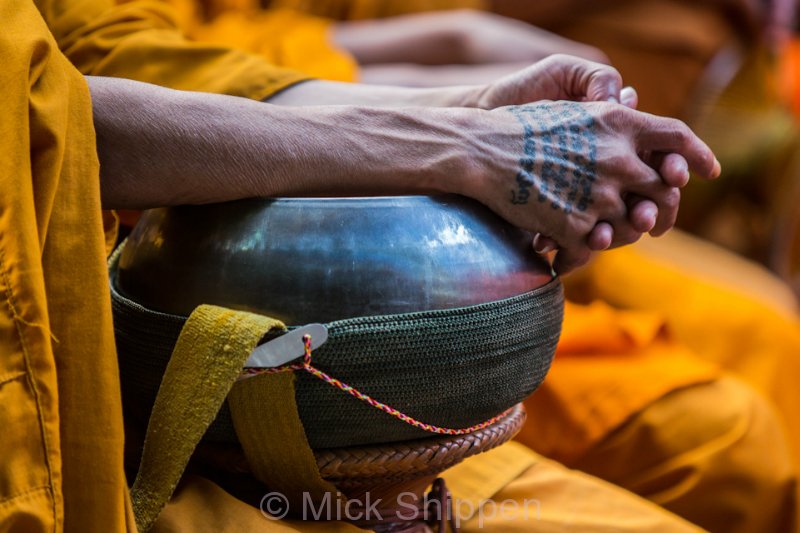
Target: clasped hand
[(601, 172)]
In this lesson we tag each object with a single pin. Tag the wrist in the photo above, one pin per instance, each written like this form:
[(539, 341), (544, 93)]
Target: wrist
[(475, 97), (477, 159), (454, 96)]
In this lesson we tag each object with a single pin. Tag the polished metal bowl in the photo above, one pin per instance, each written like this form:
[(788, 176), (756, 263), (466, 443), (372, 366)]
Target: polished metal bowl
[(434, 305), (307, 260)]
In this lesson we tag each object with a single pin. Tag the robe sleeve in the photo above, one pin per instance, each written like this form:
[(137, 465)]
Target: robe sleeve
[(282, 36), (140, 40)]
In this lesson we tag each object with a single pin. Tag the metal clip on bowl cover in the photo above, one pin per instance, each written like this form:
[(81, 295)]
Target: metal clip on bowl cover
[(287, 347)]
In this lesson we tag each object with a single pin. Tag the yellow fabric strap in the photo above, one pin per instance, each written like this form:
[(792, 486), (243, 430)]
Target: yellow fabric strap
[(274, 441), (209, 355)]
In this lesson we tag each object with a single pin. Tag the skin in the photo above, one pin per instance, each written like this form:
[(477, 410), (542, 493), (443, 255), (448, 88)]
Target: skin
[(165, 147), (643, 212), (453, 37), (441, 48), (413, 75)]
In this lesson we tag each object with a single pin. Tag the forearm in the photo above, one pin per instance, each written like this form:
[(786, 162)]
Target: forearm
[(425, 38), (443, 76), (318, 92), (161, 147), (449, 38)]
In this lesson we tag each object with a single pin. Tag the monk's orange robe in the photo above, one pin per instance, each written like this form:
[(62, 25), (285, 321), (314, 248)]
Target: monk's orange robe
[(60, 408), (728, 311), (283, 37), (60, 411)]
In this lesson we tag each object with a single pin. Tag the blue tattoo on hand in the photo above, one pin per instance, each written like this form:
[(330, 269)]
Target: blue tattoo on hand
[(559, 155)]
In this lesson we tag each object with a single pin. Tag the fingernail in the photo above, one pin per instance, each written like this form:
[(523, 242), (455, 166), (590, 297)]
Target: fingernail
[(717, 170), (627, 96), (652, 223)]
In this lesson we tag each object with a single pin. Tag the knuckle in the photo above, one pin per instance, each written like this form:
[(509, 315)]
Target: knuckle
[(617, 163), (616, 118), (557, 61), (605, 201), (679, 132), (597, 55), (576, 228), (612, 114), (706, 160), (611, 74)]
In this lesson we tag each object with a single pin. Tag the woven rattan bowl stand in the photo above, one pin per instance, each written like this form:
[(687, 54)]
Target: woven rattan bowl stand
[(385, 472), (389, 470)]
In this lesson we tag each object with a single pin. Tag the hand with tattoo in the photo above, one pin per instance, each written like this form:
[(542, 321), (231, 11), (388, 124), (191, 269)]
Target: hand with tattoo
[(595, 174), (561, 77)]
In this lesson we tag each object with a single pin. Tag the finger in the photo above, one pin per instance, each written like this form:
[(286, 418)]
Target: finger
[(568, 260), (601, 237), (625, 217), (601, 83), (659, 134), (624, 233), (629, 97), (650, 187), (595, 82), (674, 170), (642, 213), (654, 216), (668, 215), (543, 244)]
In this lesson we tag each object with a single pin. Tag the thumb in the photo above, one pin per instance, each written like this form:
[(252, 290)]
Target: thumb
[(599, 83), (629, 98)]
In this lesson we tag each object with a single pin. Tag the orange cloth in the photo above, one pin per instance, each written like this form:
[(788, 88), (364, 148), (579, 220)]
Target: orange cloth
[(714, 453), (535, 495), (140, 40), (60, 409), (283, 37), (609, 365), (789, 75), (59, 387), (728, 311), (52, 240)]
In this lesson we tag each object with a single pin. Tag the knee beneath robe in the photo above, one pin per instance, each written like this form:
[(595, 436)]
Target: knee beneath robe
[(714, 453)]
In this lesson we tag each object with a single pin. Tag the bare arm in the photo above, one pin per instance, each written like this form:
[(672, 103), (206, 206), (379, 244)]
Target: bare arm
[(556, 168), (558, 77), (453, 37), (319, 92), (164, 147), (413, 75)]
